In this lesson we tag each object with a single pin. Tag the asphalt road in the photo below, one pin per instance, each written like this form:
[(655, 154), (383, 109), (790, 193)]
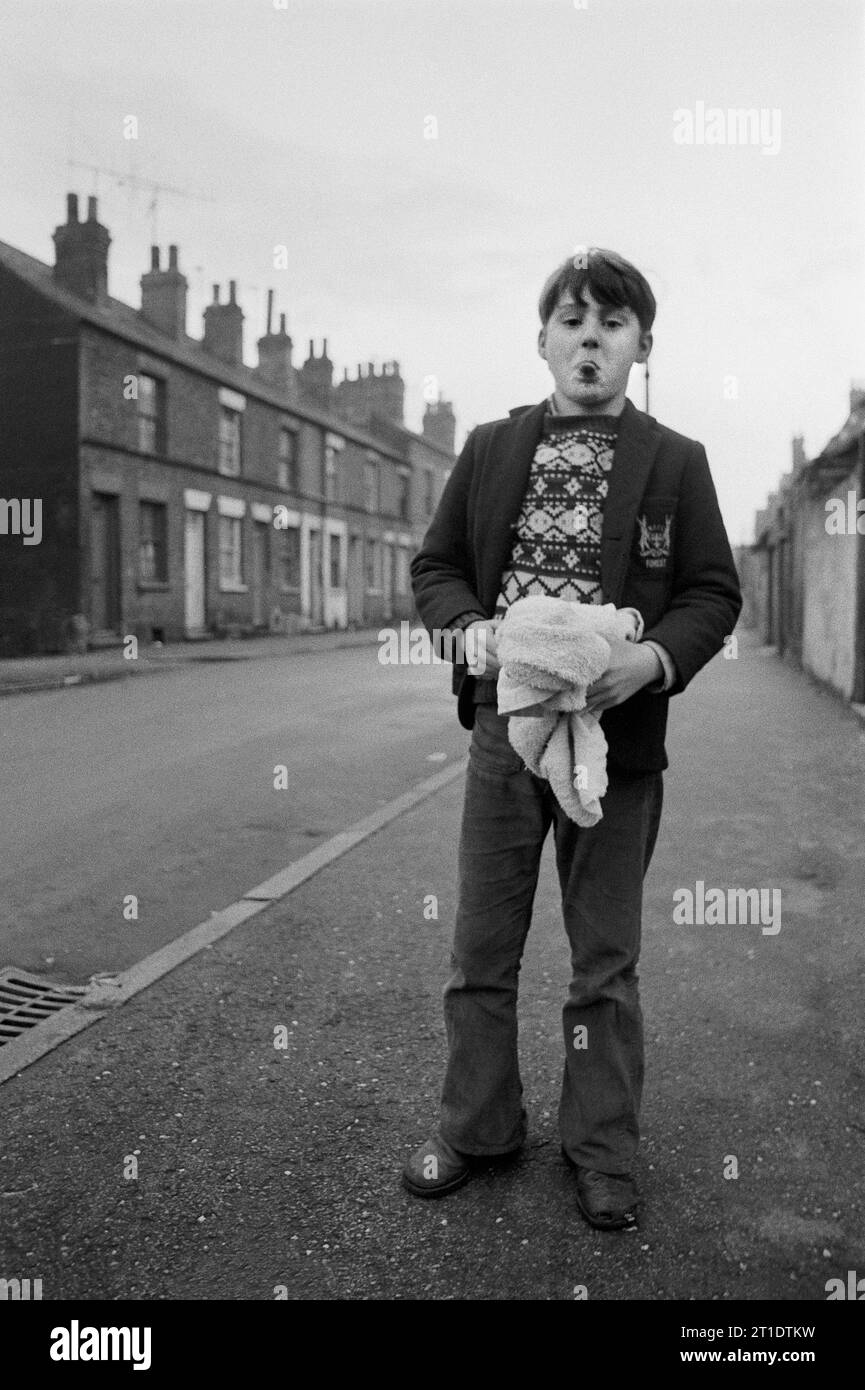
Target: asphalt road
[(163, 788), (259, 1168)]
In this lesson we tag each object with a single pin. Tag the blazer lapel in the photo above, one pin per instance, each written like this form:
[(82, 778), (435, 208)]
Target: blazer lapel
[(500, 506), (636, 446)]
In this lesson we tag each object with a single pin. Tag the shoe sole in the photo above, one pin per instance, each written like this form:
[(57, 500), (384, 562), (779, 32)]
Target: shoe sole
[(430, 1190)]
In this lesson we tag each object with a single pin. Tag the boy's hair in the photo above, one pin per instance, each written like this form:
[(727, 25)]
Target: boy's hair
[(610, 278)]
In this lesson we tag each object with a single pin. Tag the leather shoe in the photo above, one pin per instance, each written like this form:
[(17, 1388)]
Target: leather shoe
[(608, 1201), (435, 1169)]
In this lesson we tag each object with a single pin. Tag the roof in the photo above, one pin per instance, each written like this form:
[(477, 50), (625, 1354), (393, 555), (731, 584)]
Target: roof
[(848, 435), (392, 428), (120, 319), (835, 462)]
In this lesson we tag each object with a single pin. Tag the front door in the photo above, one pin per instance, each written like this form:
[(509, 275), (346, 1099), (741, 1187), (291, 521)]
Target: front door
[(316, 607), (259, 571), (194, 571), (105, 562), (388, 579)]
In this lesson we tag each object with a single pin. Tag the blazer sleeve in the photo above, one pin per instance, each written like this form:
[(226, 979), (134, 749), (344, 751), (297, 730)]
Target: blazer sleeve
[(443, 571), (706, 599)]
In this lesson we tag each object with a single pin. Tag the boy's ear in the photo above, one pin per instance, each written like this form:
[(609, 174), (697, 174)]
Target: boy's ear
[(645, 347), (542, 343)]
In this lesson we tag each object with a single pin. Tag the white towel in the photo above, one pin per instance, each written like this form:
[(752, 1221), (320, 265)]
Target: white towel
[(550, 651)]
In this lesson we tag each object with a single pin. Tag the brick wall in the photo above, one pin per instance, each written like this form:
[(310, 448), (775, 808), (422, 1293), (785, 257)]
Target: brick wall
[(39, 584)]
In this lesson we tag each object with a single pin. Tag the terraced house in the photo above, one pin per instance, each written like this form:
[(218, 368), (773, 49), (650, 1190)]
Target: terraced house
[(185, 494)]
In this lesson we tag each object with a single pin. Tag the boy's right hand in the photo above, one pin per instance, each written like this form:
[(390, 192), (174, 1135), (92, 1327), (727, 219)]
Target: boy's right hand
[(480, 648)]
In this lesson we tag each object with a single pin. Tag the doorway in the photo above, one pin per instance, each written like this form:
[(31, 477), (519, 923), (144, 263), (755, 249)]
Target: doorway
[(194, 572), (105, 606)]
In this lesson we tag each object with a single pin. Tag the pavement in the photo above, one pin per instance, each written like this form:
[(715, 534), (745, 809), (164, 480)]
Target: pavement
[(24, 675), (237, 1130)]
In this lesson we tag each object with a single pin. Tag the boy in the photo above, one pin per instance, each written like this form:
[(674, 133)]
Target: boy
[(585, 498)]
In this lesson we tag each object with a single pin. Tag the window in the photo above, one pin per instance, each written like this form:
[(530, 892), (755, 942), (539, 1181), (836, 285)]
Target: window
[(370, 484), (229, 441), (337, 578), (286, 466), (402, 494), (152, 542), (429, 501), (230, 551), (290, 558), (373, 564), (151, 414), (330, 465), (402, 570), (333, 445)]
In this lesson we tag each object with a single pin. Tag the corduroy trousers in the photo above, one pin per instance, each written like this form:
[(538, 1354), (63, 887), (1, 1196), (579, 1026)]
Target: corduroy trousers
[(507, 815)]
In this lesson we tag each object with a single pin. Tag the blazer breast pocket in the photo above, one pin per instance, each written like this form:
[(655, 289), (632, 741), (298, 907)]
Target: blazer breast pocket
[(654, 537)]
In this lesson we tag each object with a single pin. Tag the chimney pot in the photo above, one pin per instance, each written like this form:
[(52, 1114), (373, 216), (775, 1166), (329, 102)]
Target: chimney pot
[(232, 291), (154, 258), (282, 323), (216, 294), (91, 209), (269, 311), (71, 207), (172, 258)]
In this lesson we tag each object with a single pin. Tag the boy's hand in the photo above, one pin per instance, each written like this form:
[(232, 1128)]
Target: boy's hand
[(480, 648), (631, 667)]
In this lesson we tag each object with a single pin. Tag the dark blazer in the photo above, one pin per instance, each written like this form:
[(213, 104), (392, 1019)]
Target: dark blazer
[(664, 550)]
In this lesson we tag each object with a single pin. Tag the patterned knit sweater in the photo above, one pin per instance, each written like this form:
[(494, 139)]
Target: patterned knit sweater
[(557, 542)]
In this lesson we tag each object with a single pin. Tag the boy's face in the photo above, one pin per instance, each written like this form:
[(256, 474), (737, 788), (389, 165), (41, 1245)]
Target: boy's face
[(590, 349)]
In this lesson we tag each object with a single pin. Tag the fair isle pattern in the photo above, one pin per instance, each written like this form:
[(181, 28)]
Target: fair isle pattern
[(557, 543)]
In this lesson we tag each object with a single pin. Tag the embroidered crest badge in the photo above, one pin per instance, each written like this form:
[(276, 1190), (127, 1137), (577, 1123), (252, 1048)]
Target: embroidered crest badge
[(655, 542)]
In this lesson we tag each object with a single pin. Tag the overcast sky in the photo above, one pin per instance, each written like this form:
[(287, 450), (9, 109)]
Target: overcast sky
[(305, 123)]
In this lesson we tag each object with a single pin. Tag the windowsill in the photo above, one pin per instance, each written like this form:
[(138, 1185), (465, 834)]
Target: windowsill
[(377, 592), (227, 588), (224, 473), (286, 589), (154, 585)]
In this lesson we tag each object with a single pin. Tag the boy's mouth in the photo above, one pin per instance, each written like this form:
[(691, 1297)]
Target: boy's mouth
[(587, 370)]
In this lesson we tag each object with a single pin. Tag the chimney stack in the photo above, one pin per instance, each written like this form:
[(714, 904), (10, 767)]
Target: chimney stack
[(316, 378), (798, 452), (857, 396), (439, 425), (274, 355), (81, 252), (371, 393), (223, 327), (163, 295)]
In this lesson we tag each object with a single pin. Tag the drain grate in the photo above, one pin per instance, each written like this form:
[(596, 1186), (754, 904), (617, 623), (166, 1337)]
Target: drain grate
[(26, 1001)]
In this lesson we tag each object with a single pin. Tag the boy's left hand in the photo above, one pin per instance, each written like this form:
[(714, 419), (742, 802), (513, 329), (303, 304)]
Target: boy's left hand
[(631, 667)]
